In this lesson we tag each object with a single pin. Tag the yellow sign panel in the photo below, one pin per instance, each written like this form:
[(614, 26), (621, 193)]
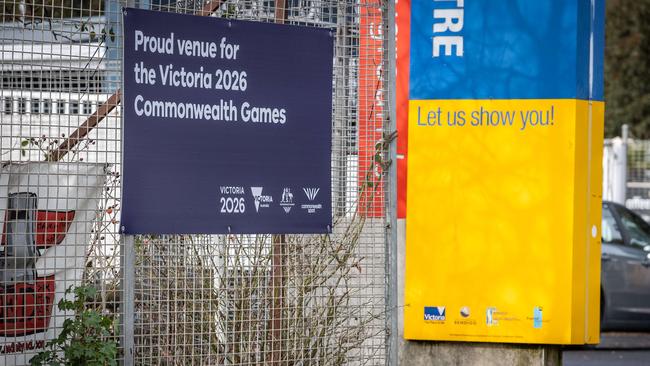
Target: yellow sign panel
[(503, 220)]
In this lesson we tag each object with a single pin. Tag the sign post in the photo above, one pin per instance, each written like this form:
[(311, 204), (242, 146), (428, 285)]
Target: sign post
[(127, 264)]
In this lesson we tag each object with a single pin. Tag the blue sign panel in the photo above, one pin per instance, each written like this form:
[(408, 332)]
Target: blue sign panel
[(519, 49), (227, 126)]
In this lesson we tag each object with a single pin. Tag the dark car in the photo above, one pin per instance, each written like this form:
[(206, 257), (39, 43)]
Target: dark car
[(625, 276)]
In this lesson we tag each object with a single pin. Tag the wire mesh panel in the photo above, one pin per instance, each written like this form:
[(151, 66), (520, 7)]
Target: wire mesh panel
[(198, 299), (58, 204), (638, 177)]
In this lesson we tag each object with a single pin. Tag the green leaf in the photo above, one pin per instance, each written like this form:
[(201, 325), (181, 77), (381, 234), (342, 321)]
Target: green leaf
[(80, 340)]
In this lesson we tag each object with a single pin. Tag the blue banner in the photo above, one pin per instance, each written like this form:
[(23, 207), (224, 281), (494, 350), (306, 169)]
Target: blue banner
[(227, 126), (514, 49)]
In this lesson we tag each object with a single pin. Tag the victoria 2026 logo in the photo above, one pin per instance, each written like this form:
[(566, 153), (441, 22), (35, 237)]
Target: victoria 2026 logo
[(26, 300)]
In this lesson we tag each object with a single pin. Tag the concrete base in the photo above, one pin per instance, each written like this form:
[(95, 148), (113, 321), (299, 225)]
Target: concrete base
[(419, 353)]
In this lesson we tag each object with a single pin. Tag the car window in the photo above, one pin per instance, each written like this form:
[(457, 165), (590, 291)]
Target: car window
[(636, 227), (609, 229)]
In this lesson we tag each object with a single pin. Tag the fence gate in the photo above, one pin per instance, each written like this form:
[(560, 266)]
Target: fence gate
[(190, 299)]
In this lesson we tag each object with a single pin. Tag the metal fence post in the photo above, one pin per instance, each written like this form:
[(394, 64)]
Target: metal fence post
[(127, 262), (620, 167), (391, 200), (278, 259)]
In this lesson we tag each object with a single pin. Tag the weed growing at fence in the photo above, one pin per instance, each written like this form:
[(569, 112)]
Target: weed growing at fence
[(85, 338)]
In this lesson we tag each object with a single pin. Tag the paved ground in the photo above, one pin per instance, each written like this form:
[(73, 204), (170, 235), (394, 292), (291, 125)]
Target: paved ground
[(615, 349), (624, 340), (606, 358)]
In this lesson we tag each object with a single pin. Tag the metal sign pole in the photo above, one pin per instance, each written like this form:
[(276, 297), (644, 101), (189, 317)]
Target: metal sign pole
[(392, 310), (127, 262), (279, 255)]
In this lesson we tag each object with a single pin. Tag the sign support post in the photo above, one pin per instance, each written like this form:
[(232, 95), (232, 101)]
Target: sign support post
[(392, 308), (279, 254), (127, 260)]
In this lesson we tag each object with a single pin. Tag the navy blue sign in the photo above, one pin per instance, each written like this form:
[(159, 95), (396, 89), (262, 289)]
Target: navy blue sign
[(226, 126)]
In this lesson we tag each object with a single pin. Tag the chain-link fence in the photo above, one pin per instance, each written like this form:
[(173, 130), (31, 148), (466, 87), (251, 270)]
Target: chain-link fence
[(209, 299)]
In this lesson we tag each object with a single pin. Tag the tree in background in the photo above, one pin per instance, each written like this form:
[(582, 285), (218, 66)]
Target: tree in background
[(627, 67)]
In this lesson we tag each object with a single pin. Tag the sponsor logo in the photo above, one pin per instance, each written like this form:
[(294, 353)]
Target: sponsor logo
[(494, 317), (464, 312), (311, 194), (537, 317), (465, 319), (260, 199), (489, 317), (287, 200), (434, 313)]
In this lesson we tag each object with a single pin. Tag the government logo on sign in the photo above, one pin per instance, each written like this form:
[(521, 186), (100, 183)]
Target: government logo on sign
[(435, 313), (287, 200), (260, 199)]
